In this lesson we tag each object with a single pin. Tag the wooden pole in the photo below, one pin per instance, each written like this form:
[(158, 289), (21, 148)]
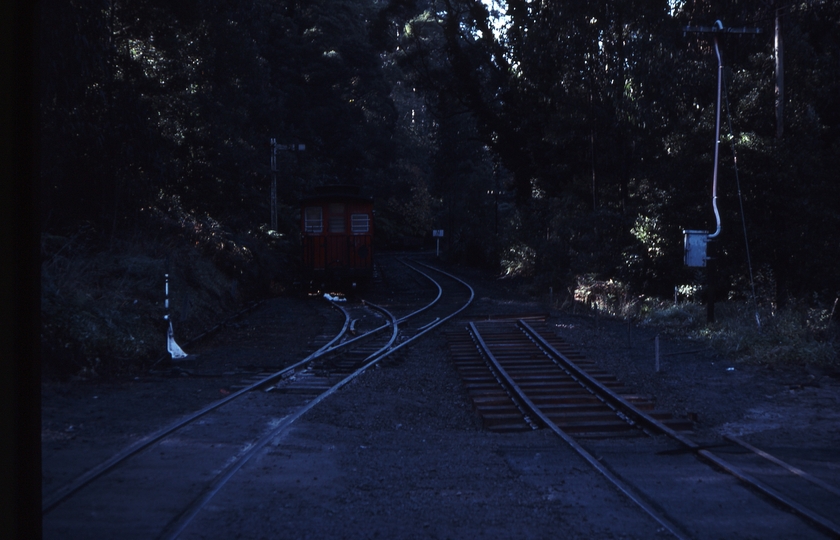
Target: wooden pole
[(273, 201), (780, 78)]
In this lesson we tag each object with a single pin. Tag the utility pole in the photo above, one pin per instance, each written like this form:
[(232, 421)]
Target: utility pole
[(273, 197), (696, 241)]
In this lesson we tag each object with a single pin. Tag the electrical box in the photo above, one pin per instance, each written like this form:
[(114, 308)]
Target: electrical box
[(695, 247)]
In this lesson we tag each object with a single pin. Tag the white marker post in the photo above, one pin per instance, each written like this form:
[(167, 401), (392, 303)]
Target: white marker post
[(438, 234), (657, 352), (171, 347)]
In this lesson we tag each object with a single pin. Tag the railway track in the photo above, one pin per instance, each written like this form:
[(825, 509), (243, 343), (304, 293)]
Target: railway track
[(552, 386), (191, 460), (521, 377)]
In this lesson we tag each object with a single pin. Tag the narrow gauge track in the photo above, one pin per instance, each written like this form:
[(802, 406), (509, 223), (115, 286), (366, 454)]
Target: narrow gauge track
[(405, 324), (118, 497), (558, 391), (513, 352)]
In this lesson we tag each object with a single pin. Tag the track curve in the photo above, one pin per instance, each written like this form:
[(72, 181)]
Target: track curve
[(398, 332)]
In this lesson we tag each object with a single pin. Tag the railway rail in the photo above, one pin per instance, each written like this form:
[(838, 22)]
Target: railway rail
[(519, 375), (100, 492), (522, 377), (556, 388)]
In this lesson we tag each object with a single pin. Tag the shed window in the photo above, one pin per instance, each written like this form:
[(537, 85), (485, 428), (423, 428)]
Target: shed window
[(359, 223), (313, 221)]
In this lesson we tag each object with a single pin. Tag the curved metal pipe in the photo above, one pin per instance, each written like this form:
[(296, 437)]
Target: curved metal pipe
[(719, 26)]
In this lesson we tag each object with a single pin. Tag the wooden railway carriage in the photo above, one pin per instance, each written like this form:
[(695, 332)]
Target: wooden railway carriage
[(337, 230)]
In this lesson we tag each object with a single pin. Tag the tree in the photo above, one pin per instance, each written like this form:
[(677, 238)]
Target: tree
[(144, 98), (603, 117)]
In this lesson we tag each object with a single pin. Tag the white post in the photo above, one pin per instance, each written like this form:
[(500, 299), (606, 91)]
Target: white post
[(172, 347), (656, 341), (166, 301)]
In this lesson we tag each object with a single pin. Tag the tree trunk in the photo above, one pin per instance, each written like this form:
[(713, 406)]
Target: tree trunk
[(711, 289), (780, 78)]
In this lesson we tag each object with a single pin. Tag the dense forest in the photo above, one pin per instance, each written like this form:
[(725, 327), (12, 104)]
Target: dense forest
[(564, 144)]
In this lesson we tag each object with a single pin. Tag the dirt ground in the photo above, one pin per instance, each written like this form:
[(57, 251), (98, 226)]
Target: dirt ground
[(399, 453)]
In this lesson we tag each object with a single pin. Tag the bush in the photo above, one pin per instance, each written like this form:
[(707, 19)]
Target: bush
[(99, 308), (666, 314), (608, 297), (797, 335)]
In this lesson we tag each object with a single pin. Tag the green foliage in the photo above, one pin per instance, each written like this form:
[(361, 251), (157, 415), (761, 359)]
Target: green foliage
[(796, 335), (102, 302), (604, 114), (518, 261), (94, 305), (548, 139), (669, 316), (607, 297), (146, 96), (155, 127)]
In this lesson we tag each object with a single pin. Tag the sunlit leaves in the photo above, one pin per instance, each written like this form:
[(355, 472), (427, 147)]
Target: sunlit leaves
[(648, 232)]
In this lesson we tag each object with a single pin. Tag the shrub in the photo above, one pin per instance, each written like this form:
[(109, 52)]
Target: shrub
[(102, 298), (608, 297), (797, 335)]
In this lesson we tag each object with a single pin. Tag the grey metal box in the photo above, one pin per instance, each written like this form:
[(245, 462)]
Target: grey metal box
[(695, 247)]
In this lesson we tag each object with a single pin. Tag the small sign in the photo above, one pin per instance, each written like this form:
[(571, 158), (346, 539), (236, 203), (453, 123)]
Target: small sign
[(437, 233)]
